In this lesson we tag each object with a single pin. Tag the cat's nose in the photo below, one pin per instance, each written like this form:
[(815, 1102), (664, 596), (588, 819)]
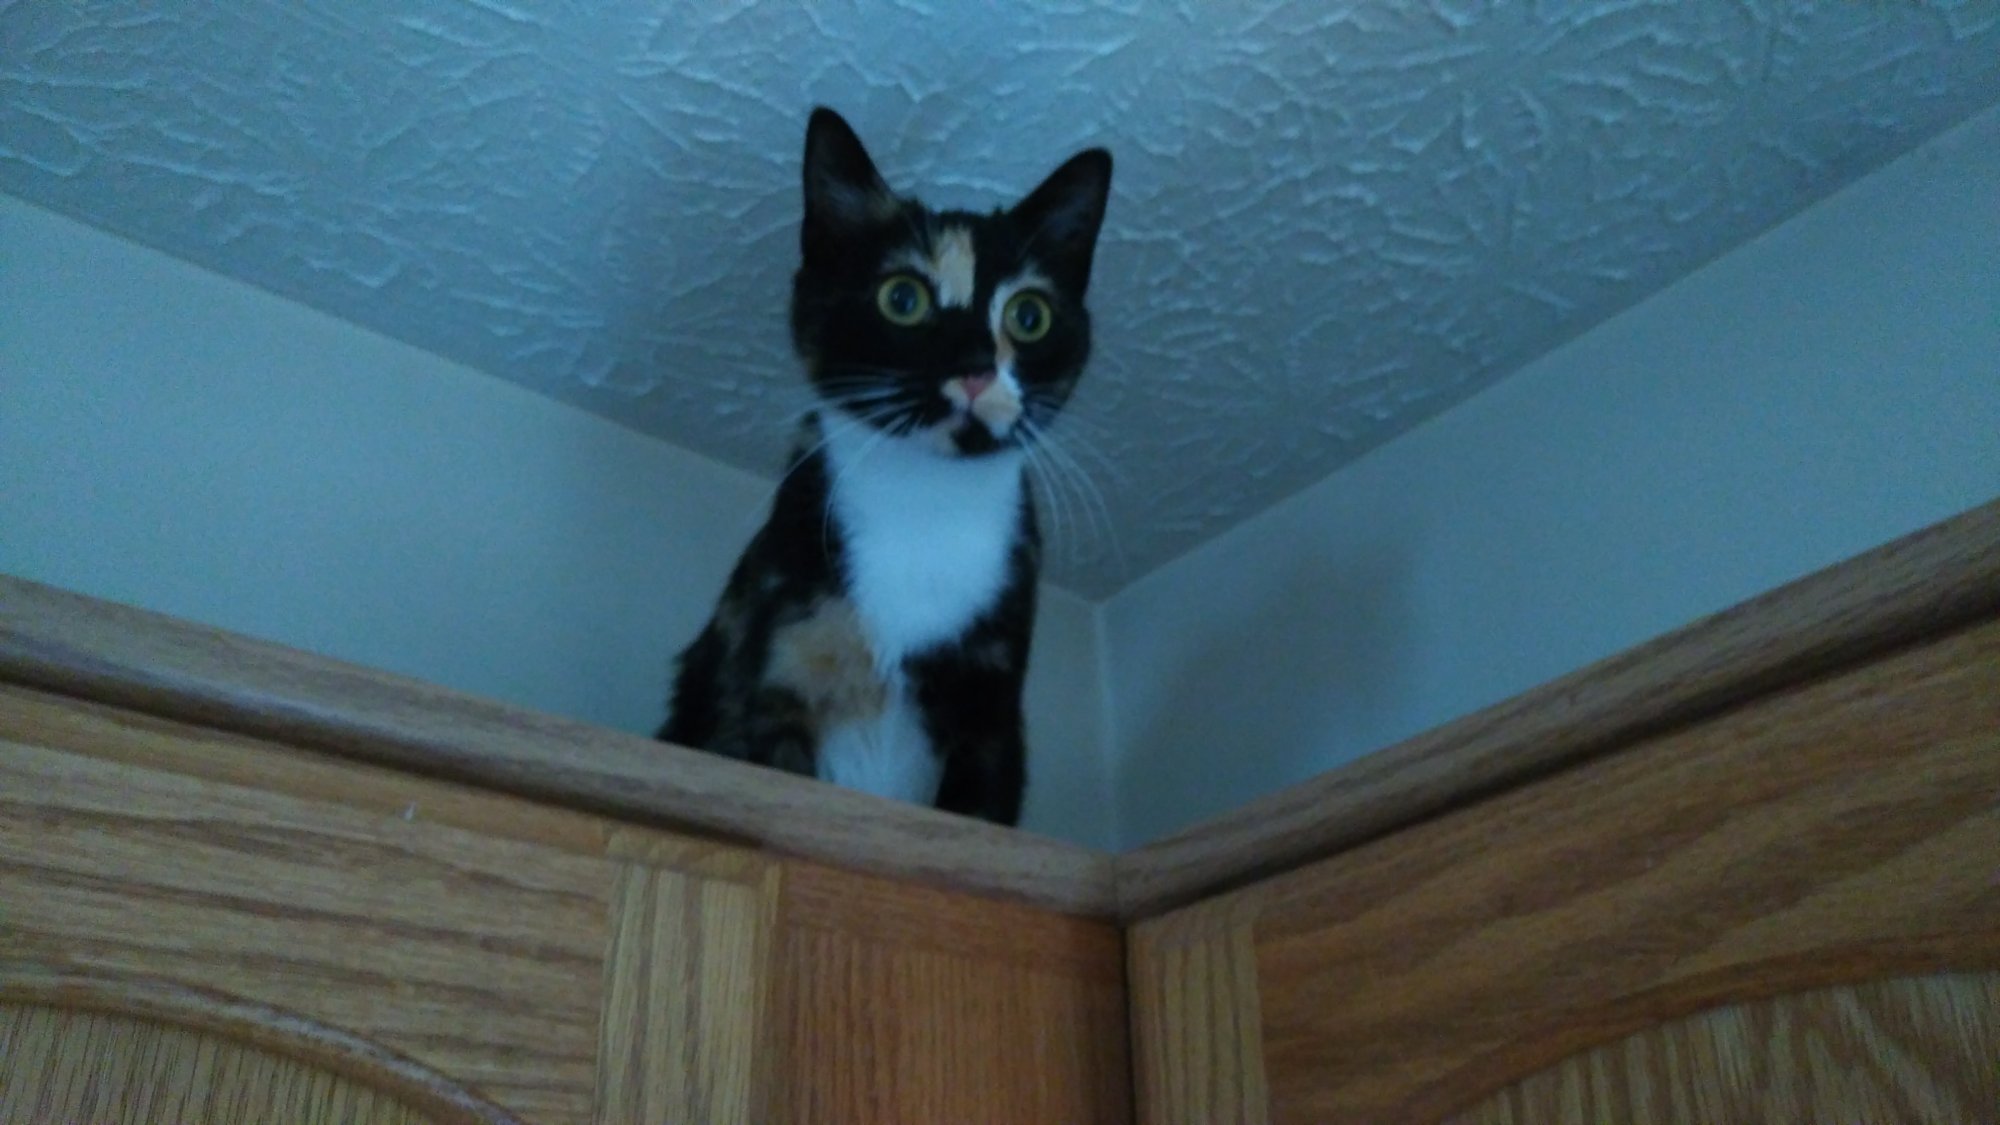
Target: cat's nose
[(975, 385)]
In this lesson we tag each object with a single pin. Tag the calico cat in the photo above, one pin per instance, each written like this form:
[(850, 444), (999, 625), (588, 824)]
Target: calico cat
[(875, 632)]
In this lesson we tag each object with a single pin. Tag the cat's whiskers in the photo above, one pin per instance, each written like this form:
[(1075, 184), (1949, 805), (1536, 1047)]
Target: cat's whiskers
[(1043, 413), (1057, 506), (1074, 523), (1090, 498), (861, 396), (803, 457), (832, 424), (864, 389), (1078, 431), (784, 423), (884, 401), (868, 371), (1094, 495), (1052, 479), (1069, 446)]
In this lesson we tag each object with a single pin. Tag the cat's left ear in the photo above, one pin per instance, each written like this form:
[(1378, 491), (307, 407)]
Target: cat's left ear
[(843, 191), (1060, 219)]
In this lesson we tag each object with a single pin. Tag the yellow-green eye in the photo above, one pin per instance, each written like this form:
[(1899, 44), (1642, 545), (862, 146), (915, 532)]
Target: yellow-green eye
[(903, 300), (1027, 316)]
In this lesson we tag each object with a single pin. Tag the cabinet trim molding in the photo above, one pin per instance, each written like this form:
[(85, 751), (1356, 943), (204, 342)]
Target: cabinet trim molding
[(133, 658), (1924, 585)]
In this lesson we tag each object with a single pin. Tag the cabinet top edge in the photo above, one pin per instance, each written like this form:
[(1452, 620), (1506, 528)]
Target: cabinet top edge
[(67, 643), (1924, 584), (1931, 582)]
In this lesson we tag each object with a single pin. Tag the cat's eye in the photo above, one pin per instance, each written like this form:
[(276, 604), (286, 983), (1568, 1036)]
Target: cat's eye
[(903, 300), (1027, 316)]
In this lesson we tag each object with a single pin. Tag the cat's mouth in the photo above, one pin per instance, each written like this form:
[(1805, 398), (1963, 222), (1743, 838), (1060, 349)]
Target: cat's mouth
[(985, 408)]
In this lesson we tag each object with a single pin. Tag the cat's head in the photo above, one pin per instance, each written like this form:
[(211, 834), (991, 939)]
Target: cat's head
[(963, 332)]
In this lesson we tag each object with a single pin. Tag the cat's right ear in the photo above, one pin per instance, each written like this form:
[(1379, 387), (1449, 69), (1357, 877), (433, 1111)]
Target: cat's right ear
[(843, 189)]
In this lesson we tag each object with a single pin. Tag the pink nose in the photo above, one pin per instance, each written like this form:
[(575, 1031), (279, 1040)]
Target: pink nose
[(975, 385)]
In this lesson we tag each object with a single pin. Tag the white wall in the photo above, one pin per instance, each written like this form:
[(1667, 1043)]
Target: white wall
[(1831, 386), (179, 441)]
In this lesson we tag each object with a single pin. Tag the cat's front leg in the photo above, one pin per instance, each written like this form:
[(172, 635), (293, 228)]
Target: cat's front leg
[(972, 713), (985, 776), (777, 731)]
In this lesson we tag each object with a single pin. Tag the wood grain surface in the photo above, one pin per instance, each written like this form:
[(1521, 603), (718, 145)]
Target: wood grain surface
[(101, 1048), (904, 1003), (1838, 832), (1925, 584), (570, 968), (79, 646), (1920, 1050), (61, 1066), (479, 955), (687, 984), (1197, 1023)]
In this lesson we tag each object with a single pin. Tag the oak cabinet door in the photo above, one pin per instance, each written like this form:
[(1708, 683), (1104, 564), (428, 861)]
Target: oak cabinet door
[(1790, 912), (196, 926)]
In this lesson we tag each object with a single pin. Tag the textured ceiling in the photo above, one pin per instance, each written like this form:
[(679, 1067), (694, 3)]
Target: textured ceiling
[(1331, 220)]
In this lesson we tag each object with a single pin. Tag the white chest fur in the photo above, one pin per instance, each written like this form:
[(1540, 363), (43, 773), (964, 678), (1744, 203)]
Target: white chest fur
[(927, 542), (927, 536)]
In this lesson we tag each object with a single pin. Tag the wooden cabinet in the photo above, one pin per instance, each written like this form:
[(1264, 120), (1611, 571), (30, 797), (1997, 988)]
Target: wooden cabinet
[(201, 926), (1789, 909), (1748, 872)]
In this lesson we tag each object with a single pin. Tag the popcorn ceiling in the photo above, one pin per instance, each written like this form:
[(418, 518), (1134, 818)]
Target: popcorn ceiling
[(1330, 221)]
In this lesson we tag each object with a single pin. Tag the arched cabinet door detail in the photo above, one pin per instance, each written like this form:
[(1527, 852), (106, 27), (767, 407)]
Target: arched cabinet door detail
[(1907, 1049), (136, 1052)]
